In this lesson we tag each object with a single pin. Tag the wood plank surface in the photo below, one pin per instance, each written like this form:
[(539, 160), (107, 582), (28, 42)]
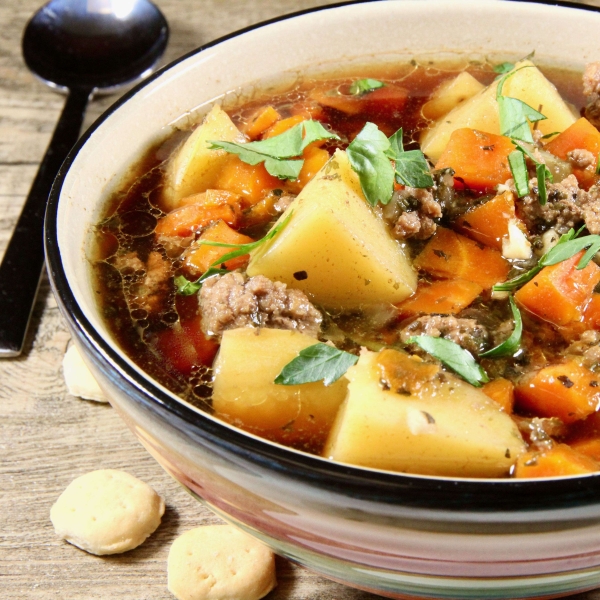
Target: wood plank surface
[(47, 437)]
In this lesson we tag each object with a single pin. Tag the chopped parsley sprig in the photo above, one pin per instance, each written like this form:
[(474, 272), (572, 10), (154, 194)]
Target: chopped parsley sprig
[(515, 115), (279, 153), (567, 246), (509, 346), (187, 288), (364, 86), (370, 155)]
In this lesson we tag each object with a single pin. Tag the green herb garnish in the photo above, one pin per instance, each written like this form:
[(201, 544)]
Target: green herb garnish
[(542, 172), (567, 246), (509, 346), (504, 67), (370, 153), (518, 169), (363, 86), (453, 356), (185, 287), (278, 152), (368, 158), (320, 362), (515, 115), (411, 167)]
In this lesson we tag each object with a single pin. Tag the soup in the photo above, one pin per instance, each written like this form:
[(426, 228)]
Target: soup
[(391, 269)]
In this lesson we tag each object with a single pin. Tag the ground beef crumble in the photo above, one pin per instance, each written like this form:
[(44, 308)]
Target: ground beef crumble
[(234, 300), (149, 280), (567, 207), (417, 210), (467, 333)]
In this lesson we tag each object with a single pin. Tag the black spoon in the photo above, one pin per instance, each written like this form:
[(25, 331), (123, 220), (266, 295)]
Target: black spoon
[(81, 47)]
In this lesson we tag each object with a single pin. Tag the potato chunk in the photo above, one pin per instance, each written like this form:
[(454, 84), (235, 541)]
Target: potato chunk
[(434, 424), (244, 393), (194, 167), (450, 94), (481, 111), (334, 248)]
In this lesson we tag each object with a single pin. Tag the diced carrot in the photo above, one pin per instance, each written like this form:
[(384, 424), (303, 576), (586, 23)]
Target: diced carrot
[(283, 125), (444, 297), (559, 461), (198, 211), (309, 109), (502, 391), (488, 222), (251, 182), (479, 159), (199, 257), (591, 312), (559, 293), (584, 436), (582, 135), (185, 346), (382, 101), (451, 255), (314, 159), (260, 121), (567, 391)]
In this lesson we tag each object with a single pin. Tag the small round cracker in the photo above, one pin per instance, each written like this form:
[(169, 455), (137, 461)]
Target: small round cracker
[(220, 562), (107, 512)]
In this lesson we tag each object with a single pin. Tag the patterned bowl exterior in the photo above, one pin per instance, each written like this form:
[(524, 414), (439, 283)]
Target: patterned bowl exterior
[(392, 534)]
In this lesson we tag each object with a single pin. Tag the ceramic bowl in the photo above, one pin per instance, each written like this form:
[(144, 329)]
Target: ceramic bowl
[(396, 535)]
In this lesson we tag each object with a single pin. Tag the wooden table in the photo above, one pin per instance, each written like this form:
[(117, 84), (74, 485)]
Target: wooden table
[(47, 437)]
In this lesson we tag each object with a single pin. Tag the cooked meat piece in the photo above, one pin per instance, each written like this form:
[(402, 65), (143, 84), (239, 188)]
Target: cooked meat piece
[(148, 281), (590, 202), (591, 90), (581, 159), (233, 301), (419, 209), (467, 333), (174, 245), (129, 264), (562, 211), (588, 347)]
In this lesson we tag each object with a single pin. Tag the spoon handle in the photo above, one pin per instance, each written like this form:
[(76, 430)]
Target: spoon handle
[(22, 267)]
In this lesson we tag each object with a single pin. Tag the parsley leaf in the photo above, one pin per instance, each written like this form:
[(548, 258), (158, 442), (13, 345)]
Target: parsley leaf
[(367, 157), (278, 152), (509, 346), (316, 363), (185, 287), (411, 167), (515, 114), (518, 169), (363, 86), (452, 355)]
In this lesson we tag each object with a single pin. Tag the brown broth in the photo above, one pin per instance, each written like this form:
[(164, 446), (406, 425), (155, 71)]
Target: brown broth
[(131, 214)]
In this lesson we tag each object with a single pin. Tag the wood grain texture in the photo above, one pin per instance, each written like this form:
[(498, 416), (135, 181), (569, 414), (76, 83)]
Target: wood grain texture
[(47, 438)]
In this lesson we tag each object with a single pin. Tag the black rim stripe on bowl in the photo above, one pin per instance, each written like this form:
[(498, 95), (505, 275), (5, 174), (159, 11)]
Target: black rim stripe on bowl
[(395, 488)]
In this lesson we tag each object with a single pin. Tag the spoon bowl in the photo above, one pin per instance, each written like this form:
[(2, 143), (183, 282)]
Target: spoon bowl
[(81, 47), (102, 44)]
